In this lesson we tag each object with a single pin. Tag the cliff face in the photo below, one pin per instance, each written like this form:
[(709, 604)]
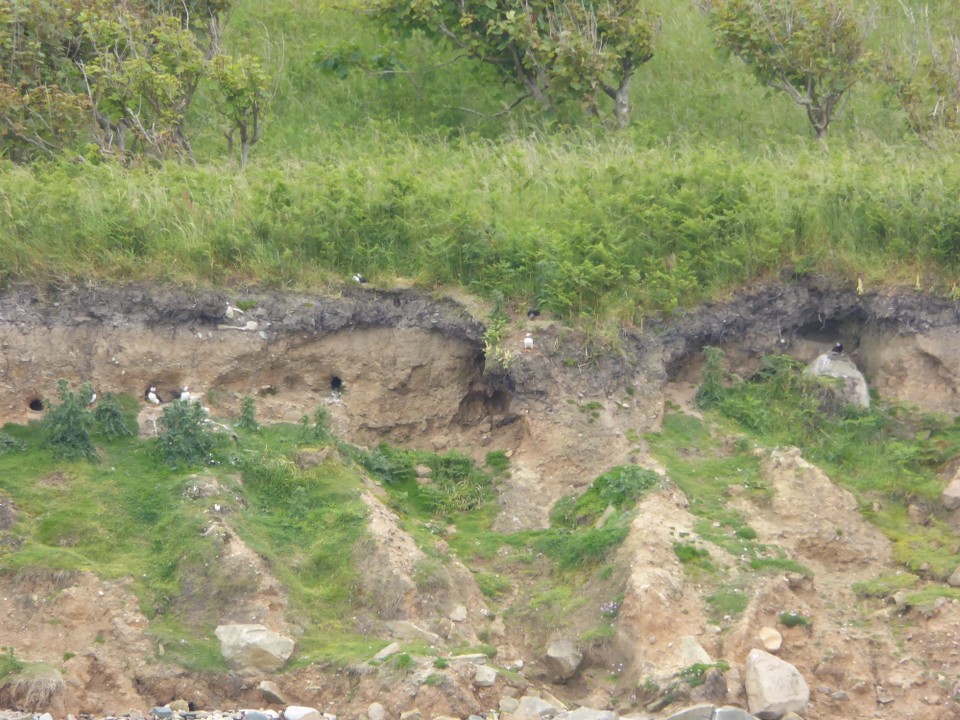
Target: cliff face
[(411, 370)]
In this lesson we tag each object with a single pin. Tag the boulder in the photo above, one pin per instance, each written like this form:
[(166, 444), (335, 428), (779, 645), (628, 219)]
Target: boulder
[(485, 676), (376, 711), (533, 708), (772, 640), (586, 713), (509, 705), (411, 715), (271, 692), (458, 614), (562, 660), (774, 686), (391, 649), (854, 390), (698, 712), (733, 713), (253, 647), (954, 580), (713, 690), (299, 712), (951, 496), (690, 652)]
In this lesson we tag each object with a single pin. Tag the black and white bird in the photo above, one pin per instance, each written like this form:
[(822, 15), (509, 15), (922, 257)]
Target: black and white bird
[(359, 278), (837, 349), (186, 395), (93, 397), (152, 396), (528, 342), (533, 312)]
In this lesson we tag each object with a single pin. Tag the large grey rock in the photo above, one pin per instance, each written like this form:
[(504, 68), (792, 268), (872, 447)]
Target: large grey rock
[(587, 713), (253, 647), (391, 649), (854, 389), (698, 712), (271, 692), (299, 712), (691, 652), (406, 630), (533, 708), (485, 676), (376, 711), (951, 496), (732, 713), (509, 704), (562, 659), (774, 686)]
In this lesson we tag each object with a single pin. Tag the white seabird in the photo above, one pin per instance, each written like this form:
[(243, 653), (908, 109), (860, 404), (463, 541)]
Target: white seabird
[(528, 342), (359, 278), (152, 396)]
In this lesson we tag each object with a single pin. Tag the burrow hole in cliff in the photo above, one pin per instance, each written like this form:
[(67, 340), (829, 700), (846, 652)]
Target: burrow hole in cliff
[(35, 404)]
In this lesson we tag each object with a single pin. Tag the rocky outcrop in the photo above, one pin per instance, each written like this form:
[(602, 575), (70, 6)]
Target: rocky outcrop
[(774, 686), (253, 647)]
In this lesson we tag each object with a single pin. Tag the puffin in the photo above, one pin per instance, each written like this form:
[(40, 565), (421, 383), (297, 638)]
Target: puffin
[(533, 312), (185, 394), (528, 342), (837, 349), (359, 278), (93, 397), (152, 396)]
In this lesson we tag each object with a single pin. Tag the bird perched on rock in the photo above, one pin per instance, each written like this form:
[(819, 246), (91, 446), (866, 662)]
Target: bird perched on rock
[(151, 396), (837, 349), (188, 396), (528, 342)]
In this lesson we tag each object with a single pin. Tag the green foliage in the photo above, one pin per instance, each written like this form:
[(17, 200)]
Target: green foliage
[(67, 426), (793, 619), (8, 443), (441, 663), (492, 586), (924, 77), (692, 555), (579, 548), (248, 418), (885, 586), (694, 674), (457, 485), (619, 487), (402, 662), (813, 50), (185, 439), (498, 462), (316, 428), (9, 665), (245, 94), (109, 419), (549, 52)]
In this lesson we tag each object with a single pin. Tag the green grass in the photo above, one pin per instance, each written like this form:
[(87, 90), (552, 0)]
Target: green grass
[(886, 585)]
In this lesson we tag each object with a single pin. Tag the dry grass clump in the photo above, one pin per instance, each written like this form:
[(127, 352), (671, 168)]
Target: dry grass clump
[(37, 688)]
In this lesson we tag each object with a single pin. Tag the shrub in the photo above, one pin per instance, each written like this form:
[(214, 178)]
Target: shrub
[(247, 420), (793, 619), (620, 487), (8, 443), (67, 426), (185, 440), (109, 419)]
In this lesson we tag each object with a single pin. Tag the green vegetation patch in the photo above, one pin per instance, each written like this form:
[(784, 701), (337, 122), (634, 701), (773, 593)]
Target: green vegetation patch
[(620, 487), (885, 585)]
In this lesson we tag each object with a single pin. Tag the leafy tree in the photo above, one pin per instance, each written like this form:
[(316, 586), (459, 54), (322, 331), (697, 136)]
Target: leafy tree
[(110, 420), (552, 51), (813, 50), (925, 79), (67, 426), (245, 93), (248, 416)]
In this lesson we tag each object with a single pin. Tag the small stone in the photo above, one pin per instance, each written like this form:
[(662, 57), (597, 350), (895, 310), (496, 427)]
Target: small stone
[(411, 715), (458, 614), (161, 712), (509, 704), (180, 706), (840, 695), (772, 640), (255, 715)]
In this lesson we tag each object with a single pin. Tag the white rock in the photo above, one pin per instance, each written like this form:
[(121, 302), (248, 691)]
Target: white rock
[(772, 640), (458, 614), (299, 712), (376, 711), (391, 649), (951, 496), (563, 659), (253, 647)]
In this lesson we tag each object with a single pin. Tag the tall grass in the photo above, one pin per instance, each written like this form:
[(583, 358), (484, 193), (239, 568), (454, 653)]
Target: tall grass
[(593, 226)]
